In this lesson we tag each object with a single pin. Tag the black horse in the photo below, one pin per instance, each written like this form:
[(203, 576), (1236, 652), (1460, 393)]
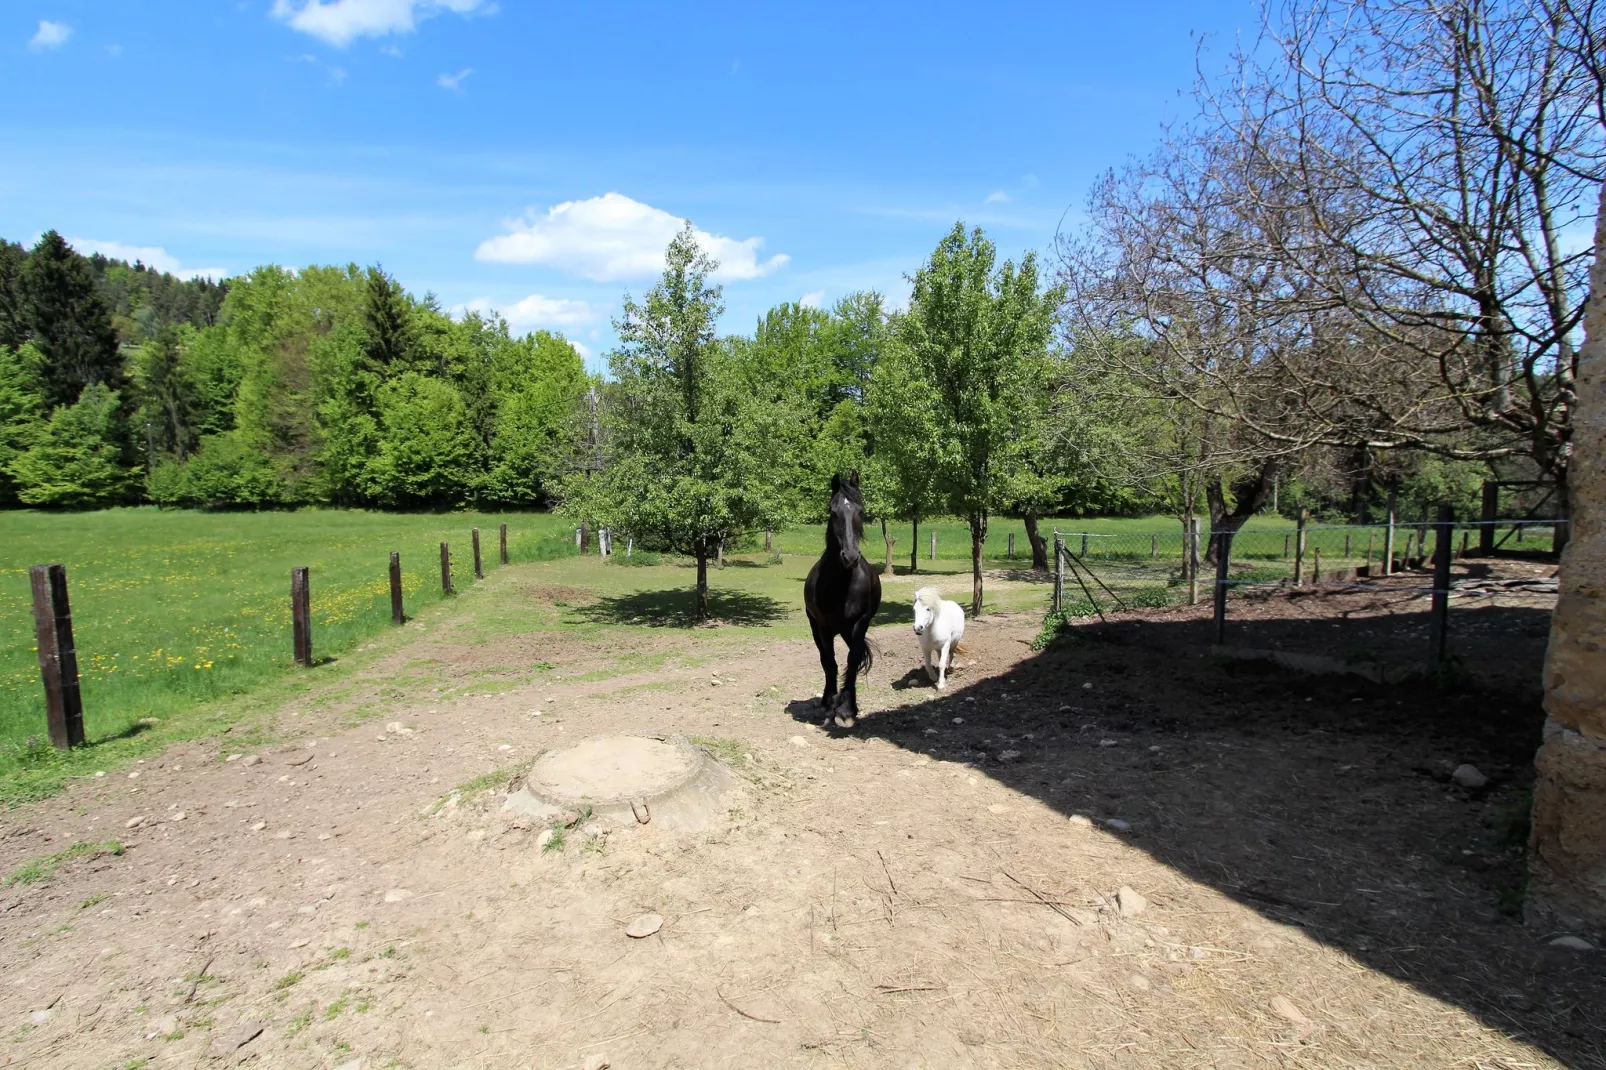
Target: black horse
[(841, 596)]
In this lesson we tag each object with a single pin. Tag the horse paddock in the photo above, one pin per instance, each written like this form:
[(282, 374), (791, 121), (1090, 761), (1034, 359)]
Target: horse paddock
[(1118, 852)]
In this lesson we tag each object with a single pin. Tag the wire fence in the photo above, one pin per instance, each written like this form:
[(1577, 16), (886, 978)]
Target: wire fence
[(1366, 595)]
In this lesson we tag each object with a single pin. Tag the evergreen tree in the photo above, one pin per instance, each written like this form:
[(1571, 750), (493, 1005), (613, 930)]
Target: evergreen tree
[(390, 345), (169, 398), (68, 321), (12, 330)]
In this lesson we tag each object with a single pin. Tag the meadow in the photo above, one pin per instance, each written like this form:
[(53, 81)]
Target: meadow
[(180, 614)]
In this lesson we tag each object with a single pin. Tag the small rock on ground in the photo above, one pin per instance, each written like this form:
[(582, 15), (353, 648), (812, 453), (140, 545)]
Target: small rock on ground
[(545, 838), (1572, 943), (1129, 902), (644, 925), (595, 1062), (397, 895), (1080, 821), (1117, 824), (1469, 777), (251, 759)]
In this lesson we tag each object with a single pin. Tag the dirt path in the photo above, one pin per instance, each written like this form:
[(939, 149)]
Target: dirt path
[(936, 888)]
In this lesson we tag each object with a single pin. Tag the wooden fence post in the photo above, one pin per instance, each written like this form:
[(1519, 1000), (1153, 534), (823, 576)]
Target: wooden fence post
[(502, 533), (1012, 544), (933, 544), (768, 541), (58, 656), (1154, 544), (1190, 559), (1410, 539), (1223, 559), (1316, 567), (446, 569), (1463, 542), (585, 537), (1287, 545), (1491, 509), (1440, 630), (301, 616), (479, 567), (1346, 546), (396, 614), (1059, 572), (1299, 547), (1084, 545), (1388, 538)]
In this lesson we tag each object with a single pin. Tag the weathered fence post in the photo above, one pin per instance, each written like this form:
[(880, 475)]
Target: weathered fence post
[(1440, 629), (479, 567), (1223, 560), (1388, 539), (1491, 509), (1463, 542), (1316, 567), (1520, 527), (1059, 572), (630, 545), (1084, 544), (396, 615), (1410, 539), (768, 547), (1346, 546), (1371, 540), (585, 537), (1012, 544), (1288, 541), (446, 569), (301, 616), (933, 556), (1154, 544), (58, 657), (502, 536), (577, 539), (1299, 547), (1190, 559)]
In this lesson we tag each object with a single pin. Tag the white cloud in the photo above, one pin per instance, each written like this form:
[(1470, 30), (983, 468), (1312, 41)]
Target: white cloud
[(535, 311), (49, 35), (997, 196), (453, 81), (152, 256), (612, 238), (338, 22), (812, 299)]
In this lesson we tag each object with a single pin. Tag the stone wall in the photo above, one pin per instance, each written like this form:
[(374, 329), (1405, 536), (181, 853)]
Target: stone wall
[(1567, 851)]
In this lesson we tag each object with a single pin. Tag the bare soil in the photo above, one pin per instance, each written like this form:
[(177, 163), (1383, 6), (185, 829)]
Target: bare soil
[(937, 887)]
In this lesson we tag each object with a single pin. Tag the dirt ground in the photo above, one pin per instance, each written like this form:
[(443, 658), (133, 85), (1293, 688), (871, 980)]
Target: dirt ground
[(946, 885)]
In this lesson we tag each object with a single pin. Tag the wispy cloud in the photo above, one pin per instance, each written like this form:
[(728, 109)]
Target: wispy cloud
[(613, 238), (152, 256), (535, 311), (812, 299), (337, 75), (997, 196), (339, 22), (453, 82), (49, 35)]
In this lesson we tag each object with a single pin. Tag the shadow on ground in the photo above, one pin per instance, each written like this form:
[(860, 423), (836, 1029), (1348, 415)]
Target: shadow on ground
[(678, 608), (1322, 802)]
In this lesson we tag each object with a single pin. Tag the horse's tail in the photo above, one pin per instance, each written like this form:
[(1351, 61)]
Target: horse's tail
[(871, 648)]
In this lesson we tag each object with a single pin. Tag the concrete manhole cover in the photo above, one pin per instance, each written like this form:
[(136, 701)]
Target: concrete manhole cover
[(627, 780)]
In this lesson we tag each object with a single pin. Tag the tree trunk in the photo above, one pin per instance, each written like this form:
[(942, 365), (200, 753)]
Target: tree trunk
[(914, 548), (1249, 492), (1039, 545), (978, 535), (886, 536), (702, 582)]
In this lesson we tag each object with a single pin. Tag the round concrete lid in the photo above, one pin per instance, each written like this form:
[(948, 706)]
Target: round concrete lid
[(612, 769)]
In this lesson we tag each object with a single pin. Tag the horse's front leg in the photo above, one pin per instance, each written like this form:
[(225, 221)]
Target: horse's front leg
[(825, 643), (925, 656), (847, 705), (942, 666)]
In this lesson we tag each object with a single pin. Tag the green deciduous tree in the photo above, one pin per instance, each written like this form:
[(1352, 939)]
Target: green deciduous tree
[(902, 471), (979, 334), (690, 451), (75, 460), (427, 451)]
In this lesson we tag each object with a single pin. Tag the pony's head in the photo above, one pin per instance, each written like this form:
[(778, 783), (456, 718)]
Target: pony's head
[(927, 602), (845, 526)]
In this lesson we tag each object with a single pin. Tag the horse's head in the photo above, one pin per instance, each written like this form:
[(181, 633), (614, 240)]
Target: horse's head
[(845, 527), (927, 601)]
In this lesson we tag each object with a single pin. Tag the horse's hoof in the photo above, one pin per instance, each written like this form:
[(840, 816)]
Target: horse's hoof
[(844, 720), (942, 685)]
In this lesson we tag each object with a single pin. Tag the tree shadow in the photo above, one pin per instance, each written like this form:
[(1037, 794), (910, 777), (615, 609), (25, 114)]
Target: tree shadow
[(678, 609), (1323, 802)]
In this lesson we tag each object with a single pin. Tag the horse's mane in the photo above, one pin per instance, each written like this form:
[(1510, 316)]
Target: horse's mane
[(929, 597), (850, 492)]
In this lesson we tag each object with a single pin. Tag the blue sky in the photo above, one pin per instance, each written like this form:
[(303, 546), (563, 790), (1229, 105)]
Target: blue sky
[(533, 156)]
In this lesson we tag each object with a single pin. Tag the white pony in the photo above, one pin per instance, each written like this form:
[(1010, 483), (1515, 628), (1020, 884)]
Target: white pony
[(940, 624)]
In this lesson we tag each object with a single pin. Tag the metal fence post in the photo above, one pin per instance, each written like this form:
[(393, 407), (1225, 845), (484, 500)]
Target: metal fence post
[(1440, 630), (396, 615), (58, 657), (1223, 559), (301, 616)]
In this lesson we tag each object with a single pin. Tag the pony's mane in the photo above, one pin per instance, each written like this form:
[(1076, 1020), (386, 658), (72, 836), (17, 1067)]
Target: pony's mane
[(929, 597), (850, 492)]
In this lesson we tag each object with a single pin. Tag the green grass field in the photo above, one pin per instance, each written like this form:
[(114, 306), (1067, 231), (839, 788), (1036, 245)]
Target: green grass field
[(181, 619)]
